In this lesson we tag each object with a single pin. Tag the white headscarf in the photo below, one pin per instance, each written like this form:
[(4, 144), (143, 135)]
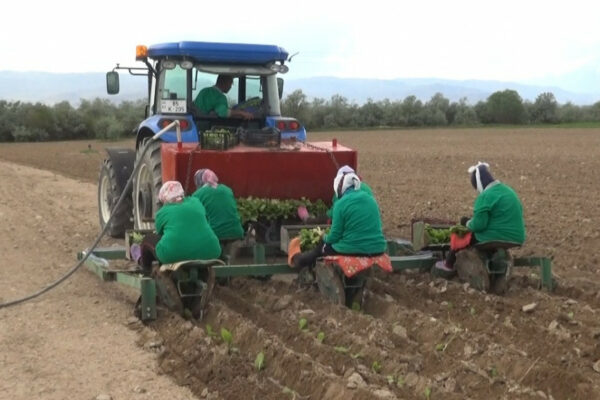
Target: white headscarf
[(475, 168), (343, 182), (346, 169)]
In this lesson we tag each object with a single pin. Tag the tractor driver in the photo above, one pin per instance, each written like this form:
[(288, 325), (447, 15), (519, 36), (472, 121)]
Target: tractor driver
[(212, 99)]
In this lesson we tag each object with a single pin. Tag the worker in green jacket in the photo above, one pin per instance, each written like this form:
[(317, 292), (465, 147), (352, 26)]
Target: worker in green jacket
[(345, 170), (183, 232), (356, 228), (220, 205), (212, 99), (497, 212)]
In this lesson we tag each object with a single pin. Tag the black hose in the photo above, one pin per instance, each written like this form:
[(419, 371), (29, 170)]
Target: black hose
[(90, 250)]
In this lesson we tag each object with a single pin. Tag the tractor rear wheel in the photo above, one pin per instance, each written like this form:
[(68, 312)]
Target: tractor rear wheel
[(146, 185), (108, 194)]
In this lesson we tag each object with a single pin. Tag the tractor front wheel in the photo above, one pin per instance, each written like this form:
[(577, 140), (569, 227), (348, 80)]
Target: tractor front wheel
[(108, 194), (146, 185)]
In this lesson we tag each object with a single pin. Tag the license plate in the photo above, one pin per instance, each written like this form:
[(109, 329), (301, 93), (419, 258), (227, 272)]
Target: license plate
[(173, 106)]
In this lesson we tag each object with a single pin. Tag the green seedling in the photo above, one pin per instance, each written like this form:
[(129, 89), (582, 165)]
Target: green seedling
[(440, 347), (376, 367), (400, 381), (341, 349), (137, 237), (570, 315), (321, 336), (390, 379), (227, 337), (355, 306), (493, 372), (259, 362), (356, 356), (427, 392), (472, 311), (209, 331), (302, 324)]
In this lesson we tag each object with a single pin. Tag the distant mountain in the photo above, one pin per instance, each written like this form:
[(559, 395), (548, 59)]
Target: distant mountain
[(360, 90), (51, 88)]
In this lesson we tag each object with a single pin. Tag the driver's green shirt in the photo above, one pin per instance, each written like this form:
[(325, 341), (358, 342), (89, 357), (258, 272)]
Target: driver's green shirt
[(212, 99)]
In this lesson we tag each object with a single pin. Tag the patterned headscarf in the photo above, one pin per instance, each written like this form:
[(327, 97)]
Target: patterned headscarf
[(206, 177), (343, 182), (171, 192), (480, 176)]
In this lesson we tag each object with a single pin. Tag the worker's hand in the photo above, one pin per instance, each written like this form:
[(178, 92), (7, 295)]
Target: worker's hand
[(247, 115), (464, 220)]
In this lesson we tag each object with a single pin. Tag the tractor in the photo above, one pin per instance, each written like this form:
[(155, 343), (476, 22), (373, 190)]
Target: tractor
[(266, 156), (175, 73)]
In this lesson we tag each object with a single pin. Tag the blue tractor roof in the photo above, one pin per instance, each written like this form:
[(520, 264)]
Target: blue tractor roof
[(220, 53)]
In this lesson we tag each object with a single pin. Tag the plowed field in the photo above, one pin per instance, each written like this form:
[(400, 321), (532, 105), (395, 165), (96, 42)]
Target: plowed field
[(416, 337)]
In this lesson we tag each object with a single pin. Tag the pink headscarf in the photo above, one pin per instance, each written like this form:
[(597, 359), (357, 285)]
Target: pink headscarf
[(206, 177), (171, 192)]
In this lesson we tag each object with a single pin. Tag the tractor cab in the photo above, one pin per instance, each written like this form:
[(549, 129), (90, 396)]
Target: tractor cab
[(177, 72)]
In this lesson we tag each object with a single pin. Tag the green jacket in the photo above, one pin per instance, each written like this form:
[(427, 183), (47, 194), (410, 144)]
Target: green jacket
[(363, 187), (221, 211), (185, 232), (212, 99), (498, 215), (356, 225)]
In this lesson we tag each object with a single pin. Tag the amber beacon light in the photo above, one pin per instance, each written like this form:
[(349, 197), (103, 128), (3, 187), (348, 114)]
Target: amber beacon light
[(141, 52)]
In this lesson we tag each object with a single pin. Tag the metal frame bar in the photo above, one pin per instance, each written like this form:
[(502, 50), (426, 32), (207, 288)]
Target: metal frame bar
[(545, 264)]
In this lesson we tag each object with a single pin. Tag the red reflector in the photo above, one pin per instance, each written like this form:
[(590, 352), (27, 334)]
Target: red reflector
[(294, 125), (164, 123), (281, 125), (184, 124)]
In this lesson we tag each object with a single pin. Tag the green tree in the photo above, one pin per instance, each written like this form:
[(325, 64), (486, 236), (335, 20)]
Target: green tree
[(545, 109), (506, 107)]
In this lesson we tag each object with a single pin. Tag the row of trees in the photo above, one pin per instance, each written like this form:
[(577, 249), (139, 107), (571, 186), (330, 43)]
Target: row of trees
[(101, 119), (502, 107)]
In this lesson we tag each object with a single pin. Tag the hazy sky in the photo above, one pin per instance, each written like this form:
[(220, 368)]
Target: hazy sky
[(501, 40)]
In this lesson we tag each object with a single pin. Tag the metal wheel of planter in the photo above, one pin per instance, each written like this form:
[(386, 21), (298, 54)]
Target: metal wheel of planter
[(200, 304), (330, 283), (471, 268)]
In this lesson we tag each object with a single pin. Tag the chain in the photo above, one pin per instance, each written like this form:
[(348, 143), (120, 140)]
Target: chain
[(189, 169)]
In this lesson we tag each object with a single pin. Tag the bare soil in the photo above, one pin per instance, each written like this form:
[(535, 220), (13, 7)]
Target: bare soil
[(417, 337)]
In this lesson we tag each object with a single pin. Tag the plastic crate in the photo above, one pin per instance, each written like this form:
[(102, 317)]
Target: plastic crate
[(265, 137), (218, 138)]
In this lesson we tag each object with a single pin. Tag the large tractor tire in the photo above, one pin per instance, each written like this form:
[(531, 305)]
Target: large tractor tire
[(146, 185), (109, 192)]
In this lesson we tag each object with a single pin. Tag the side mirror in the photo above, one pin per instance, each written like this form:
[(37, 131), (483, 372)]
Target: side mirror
[(112, 82), (280, 87)]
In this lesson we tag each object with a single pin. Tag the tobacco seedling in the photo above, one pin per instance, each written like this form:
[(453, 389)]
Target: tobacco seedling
[(227, 337), (302, 324), (321, 337), (427, 392), (209, 331), (376, 367), (259, 362), (341, 349)]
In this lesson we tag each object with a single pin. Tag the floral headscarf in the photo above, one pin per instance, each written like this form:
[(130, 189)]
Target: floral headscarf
[(206, 177), (171, 192)]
